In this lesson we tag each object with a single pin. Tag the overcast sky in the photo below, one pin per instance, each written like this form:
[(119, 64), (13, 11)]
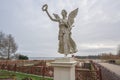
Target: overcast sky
[(97, 25)]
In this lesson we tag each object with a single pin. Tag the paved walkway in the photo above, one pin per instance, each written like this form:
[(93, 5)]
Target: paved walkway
[(112, 67)]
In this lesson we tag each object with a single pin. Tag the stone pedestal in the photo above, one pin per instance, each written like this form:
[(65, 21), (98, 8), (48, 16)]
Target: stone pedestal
[(64, 69)]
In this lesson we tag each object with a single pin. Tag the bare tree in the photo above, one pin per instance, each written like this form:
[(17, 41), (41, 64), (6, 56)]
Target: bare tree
[(11, 46), (7, 45), (2, 39)]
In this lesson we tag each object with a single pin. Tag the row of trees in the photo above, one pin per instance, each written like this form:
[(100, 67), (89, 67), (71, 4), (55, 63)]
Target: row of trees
[(88, 57), (102, 55), (8, 45), (118, 51), (109, 56)]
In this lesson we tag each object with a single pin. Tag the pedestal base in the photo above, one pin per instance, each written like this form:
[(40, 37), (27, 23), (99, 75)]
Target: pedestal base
[(64, 69)]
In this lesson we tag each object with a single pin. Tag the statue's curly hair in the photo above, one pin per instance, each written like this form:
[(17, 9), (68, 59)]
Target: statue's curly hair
[(64, 11)]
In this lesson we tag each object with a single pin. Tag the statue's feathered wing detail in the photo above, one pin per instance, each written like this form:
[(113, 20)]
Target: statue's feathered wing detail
[(71, 17), (56, 16)]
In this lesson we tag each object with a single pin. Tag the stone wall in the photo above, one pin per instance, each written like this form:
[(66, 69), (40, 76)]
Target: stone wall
[(107, 74)]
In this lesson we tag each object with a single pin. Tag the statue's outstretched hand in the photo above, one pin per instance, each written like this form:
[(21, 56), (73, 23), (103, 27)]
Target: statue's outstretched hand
[(45, 7)]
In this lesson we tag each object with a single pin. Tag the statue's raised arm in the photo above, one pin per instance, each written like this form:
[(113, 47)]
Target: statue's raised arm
[(44, 8)]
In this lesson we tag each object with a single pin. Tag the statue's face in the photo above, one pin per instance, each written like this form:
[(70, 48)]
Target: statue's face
[(64, 13)]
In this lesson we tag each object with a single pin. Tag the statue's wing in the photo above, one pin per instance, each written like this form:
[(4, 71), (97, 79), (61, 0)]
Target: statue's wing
[(56, 16), (71, 17)]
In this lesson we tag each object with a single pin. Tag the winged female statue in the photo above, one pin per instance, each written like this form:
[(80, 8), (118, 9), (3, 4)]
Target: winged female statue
[(66, 43)]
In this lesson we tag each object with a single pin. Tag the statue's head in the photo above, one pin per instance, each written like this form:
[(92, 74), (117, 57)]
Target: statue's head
[(64, 13)]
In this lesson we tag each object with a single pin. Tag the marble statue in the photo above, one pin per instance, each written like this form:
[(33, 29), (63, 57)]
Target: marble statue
[(66, 43)]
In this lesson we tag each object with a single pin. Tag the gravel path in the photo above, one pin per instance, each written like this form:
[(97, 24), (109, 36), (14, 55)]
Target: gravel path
[(112, 67)]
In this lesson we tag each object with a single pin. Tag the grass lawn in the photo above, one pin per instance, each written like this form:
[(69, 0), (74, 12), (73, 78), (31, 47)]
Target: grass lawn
[(20, 76)]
